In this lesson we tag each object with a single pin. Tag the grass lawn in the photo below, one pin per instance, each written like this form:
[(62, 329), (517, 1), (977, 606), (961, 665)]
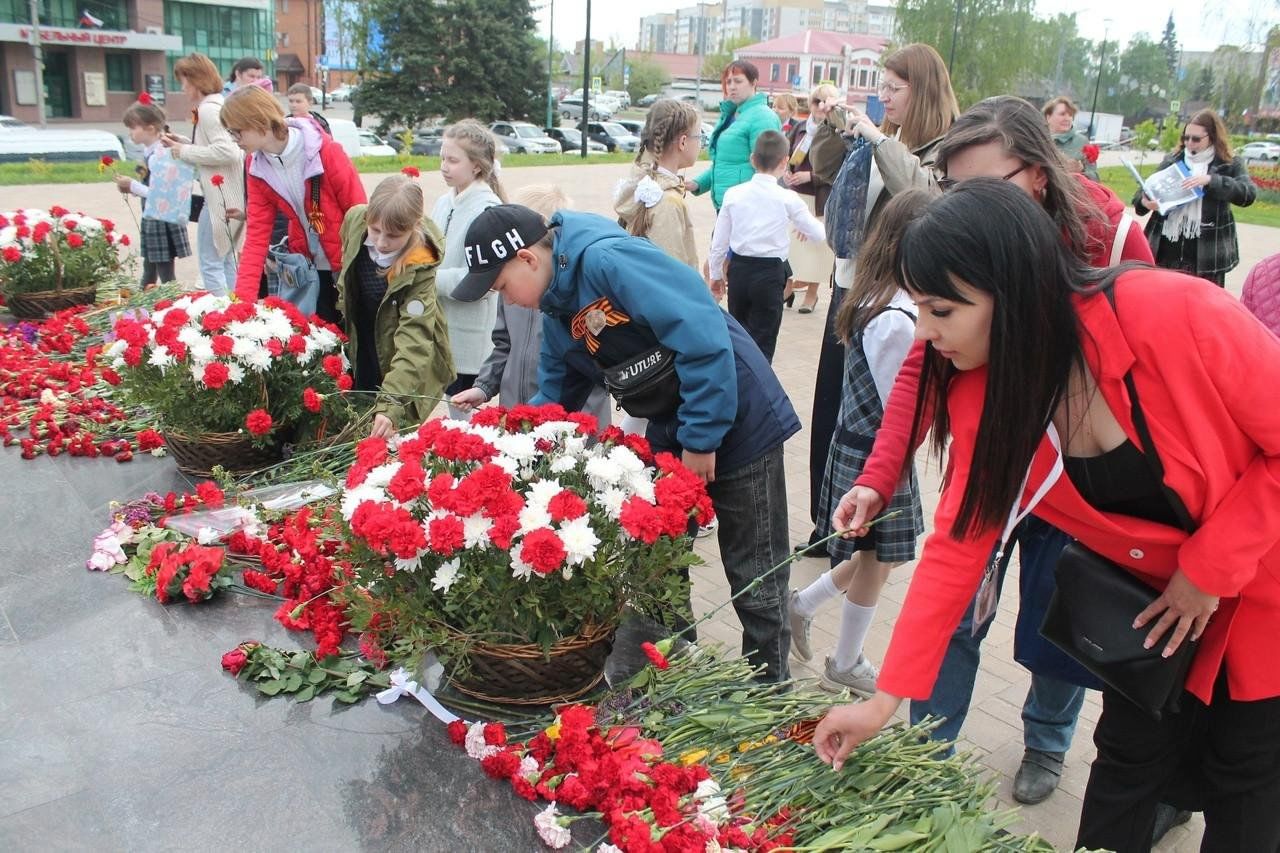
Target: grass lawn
[(40, 172), (1264, 211)]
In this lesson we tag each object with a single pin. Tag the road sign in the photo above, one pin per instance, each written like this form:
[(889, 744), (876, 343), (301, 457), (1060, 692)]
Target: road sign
[(1174, 106), (597, 85)]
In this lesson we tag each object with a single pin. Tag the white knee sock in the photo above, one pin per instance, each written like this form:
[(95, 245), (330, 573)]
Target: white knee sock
[(814, 594), (855, 622)]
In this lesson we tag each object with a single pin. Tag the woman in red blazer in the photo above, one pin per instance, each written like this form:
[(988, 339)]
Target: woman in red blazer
[(1015, 333), (295, 168)]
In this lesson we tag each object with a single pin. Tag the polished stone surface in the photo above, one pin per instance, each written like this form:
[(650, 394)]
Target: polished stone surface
[(119, 730)]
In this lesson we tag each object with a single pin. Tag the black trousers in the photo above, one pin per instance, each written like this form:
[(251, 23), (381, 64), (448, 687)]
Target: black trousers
[(826, 403), (755, 298), (1222, 759)]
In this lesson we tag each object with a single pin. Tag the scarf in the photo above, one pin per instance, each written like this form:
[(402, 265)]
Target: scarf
[(1183, 222)]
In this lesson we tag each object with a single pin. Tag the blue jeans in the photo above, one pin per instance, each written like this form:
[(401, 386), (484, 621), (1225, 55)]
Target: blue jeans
[(216, 272), (1051, 708), (751, 504)]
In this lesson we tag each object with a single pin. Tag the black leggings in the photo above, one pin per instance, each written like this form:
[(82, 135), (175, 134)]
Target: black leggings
[(158, 272)]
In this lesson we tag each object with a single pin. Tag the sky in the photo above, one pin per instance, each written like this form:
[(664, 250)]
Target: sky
[(1201, 24)]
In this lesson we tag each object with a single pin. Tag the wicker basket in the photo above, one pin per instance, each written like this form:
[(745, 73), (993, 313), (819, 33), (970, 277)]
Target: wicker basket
[(33, 306), (198, 454), (523, 675)]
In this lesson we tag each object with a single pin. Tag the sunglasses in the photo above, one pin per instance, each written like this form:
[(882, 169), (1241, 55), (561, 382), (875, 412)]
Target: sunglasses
[(948, 184), (1186, 137)]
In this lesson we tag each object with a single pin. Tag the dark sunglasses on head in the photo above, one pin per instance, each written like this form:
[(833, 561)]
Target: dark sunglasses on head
[(948, 184)]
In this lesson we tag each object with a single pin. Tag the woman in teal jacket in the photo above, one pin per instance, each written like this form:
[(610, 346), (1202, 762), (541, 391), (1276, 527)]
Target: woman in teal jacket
[(744, 115)]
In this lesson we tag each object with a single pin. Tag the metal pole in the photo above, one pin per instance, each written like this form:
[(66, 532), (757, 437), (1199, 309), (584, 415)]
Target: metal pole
[(702, 58), (955, 28), (38, 53), (586, 85), (551, 49), (1093, 111)]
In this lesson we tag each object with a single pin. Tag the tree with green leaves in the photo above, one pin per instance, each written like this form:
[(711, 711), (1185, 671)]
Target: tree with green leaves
[(645, 77), (713, 63), (456, 59), (1169, 43)]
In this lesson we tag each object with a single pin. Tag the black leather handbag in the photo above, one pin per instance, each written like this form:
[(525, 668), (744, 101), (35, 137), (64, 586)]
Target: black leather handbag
[(1090, 616), (646, 385)]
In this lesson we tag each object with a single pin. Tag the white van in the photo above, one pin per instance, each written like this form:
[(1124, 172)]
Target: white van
[(346, 134)]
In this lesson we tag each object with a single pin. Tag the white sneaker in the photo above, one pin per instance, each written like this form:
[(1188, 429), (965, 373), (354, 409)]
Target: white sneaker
[(860, 680), (707, 529), (799, 629)]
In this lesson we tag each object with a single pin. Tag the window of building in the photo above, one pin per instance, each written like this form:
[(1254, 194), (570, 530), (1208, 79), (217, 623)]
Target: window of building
[(120, 73), (225, 34), (817, 73), (791, 71), (66, 13), (775, 71), (862, 78)]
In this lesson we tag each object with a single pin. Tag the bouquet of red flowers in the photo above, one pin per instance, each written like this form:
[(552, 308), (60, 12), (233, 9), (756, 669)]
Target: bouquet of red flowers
[(44, 250)]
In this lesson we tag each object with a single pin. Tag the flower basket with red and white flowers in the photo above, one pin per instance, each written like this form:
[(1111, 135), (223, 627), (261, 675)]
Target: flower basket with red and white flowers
[(54, 259), (509, 546), (232, 381)]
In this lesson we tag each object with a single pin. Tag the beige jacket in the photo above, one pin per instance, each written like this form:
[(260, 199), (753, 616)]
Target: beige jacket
[(213, 152), (670, 227)]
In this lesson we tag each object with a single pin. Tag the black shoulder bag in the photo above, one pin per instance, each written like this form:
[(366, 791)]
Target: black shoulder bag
[(1091, 614)]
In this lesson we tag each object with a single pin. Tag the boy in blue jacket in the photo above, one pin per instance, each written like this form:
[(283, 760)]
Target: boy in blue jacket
[(611, 300)]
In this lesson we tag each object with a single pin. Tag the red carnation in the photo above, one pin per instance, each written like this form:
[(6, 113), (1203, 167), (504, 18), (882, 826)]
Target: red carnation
[(75, 241), (260, 581), (1091, 152), (258, 422), (144, 98), (655, 657), (345, 382), (457, 732), (446, 535), (216, 375), (312, 401), (495, 734), (124, 239), (217, 180), (543, 550), (223, 345), (566, 506), (332, 365), (411, 171), (107, 160), (210, 495), (501, 765), (12, 254), (149, 439)]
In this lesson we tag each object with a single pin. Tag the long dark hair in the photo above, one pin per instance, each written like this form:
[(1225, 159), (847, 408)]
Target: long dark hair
[(1022, 133), (875, 280), (991, 236)]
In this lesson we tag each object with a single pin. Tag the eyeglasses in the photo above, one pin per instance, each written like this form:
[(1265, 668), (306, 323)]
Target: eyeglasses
[(948, 184), (1186, 137), (887, 88)]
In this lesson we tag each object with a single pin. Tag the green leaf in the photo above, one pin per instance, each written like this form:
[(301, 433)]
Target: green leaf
[(356, 678), (293, 682), (348, 696), (316, 676), (272, 687), (306, 694)]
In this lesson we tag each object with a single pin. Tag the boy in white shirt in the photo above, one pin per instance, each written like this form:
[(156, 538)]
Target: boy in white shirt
[(753, 229)]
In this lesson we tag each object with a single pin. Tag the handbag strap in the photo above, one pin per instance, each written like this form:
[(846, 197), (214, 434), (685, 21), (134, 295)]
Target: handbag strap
[(1144, 435)]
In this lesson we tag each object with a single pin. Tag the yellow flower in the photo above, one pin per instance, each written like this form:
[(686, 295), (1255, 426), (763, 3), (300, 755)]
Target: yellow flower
[(553, 731), (693, 756)]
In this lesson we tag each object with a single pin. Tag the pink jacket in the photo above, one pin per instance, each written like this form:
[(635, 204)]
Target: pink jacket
[(1262, 292)]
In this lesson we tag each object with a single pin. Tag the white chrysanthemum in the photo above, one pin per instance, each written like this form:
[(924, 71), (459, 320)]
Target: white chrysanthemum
[(611, 501), (626, 459), (277, 325), (241, 345), (201, 350), (519, 446), (446, 576), (711, 801), (324, 338), (543, 491), (549, 829), (116, 349), (519, 568), (161, 358), (506, 463), (603, 471), (352, 498), (235, 373), (8, 236), (408, 564), (189, 335), (563, 464), (258, 360), (580, 541), (488, 433), (475, 531), (529, 768), (533, 516), (642, 487)]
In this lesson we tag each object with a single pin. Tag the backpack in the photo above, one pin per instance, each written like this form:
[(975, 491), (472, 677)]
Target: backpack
[(827, 151)]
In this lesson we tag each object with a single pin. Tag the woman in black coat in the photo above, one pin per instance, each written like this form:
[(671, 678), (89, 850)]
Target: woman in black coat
[(1199, 237)]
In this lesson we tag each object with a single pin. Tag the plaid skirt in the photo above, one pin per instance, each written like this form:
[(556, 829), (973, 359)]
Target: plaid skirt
[(163, 241), (894, 541)]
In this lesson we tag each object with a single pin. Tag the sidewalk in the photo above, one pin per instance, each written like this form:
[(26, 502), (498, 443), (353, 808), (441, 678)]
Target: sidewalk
[(993, 730)]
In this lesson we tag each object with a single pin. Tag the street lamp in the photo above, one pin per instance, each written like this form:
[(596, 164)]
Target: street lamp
[(551, 48), (1102, 58)]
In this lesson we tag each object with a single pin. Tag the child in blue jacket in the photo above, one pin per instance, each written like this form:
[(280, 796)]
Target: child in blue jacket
[(618, 304)]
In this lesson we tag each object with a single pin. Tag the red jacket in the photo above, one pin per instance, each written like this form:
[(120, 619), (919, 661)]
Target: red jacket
[(1208, 379), (340, 190), (883, 469)]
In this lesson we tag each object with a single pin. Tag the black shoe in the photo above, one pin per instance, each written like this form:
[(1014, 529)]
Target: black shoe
[(809, 549), (790, 300), (1167, 817), (1038, 776)]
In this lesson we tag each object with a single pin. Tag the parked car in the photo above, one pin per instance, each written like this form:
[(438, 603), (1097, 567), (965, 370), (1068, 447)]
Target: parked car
[(570, 139), (709, 100), (620, 96), (342, 93), (372, 145), (427, 142), (20, 142), (612, 135), (570, 109), (635, 128), (1261, 151), (648, 100), (524, 138)]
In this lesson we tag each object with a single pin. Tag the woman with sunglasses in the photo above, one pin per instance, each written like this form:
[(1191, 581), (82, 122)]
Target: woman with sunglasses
[(1026, 376), (1004, 138), (1199, 237)]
